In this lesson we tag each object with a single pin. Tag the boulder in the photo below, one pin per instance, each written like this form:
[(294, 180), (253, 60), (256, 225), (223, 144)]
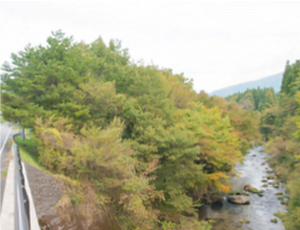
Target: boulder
[(249, 188), (245, 221), (239, 199), (274, 220), (275, 184), (279, 193), (260, 194), (271, 177), (284, 202)]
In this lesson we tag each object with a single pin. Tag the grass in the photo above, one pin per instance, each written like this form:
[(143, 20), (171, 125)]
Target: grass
[(31, 159), (29, 153), (4, 174)]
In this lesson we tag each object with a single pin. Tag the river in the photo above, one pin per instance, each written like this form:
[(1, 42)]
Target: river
[(261, 209)]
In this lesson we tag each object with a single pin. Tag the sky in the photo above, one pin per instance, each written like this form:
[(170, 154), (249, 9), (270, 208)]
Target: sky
[(216, 43)]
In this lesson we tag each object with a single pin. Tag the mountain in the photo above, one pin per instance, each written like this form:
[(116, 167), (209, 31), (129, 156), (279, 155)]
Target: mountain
[(267, 82)]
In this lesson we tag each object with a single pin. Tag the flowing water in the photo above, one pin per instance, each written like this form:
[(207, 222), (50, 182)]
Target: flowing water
[(261, 209)]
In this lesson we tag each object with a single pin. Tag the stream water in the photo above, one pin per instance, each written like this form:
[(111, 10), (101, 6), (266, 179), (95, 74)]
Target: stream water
[(261, 209)]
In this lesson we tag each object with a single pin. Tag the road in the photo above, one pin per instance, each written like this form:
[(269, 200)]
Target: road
[(5, 138)]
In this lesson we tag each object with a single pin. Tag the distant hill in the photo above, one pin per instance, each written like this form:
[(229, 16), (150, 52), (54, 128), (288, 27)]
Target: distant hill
[(267, 82)]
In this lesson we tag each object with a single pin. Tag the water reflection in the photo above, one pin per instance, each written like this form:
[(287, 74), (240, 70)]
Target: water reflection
[(261, 210), (216, 207)]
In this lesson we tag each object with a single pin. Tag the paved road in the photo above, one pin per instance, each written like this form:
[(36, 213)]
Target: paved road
[(5, 137)]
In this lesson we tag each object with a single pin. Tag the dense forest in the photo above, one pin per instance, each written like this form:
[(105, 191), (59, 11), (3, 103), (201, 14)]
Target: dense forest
[(133, 141), (256, 99)]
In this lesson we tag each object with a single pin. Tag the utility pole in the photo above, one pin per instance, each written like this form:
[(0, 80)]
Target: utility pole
[(22, 133)]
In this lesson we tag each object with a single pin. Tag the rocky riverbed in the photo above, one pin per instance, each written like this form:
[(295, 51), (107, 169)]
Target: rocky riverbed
[(267, 200)]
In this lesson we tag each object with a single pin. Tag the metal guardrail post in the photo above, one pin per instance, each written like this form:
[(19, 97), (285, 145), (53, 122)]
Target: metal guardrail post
[(22, 216)]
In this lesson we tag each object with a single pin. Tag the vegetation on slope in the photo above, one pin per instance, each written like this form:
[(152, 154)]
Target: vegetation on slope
[(281, 125), (136, 141)]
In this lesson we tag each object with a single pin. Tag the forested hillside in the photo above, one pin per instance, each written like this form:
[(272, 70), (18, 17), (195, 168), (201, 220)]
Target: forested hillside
[(134, 141), (256, 99), (273, 81)]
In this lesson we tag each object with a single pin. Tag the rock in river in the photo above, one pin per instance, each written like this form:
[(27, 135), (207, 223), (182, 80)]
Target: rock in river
[(249, 188), (239, 199)]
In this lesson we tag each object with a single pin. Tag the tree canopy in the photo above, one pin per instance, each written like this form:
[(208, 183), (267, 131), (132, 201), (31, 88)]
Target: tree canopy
[(136, 141), (256, 99)]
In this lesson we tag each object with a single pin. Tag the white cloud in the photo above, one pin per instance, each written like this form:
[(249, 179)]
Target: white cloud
[(216, 43)]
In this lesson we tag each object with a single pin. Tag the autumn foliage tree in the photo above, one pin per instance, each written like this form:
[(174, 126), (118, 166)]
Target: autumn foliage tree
[(245, 122)]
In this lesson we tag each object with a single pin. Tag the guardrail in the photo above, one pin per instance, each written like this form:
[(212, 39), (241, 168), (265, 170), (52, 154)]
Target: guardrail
[(22, 213)]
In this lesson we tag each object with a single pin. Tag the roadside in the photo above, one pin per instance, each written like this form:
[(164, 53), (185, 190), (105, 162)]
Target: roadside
[(6, 132)]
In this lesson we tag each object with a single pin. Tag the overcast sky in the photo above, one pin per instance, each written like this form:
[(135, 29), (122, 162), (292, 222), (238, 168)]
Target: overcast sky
[(218, 44)]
